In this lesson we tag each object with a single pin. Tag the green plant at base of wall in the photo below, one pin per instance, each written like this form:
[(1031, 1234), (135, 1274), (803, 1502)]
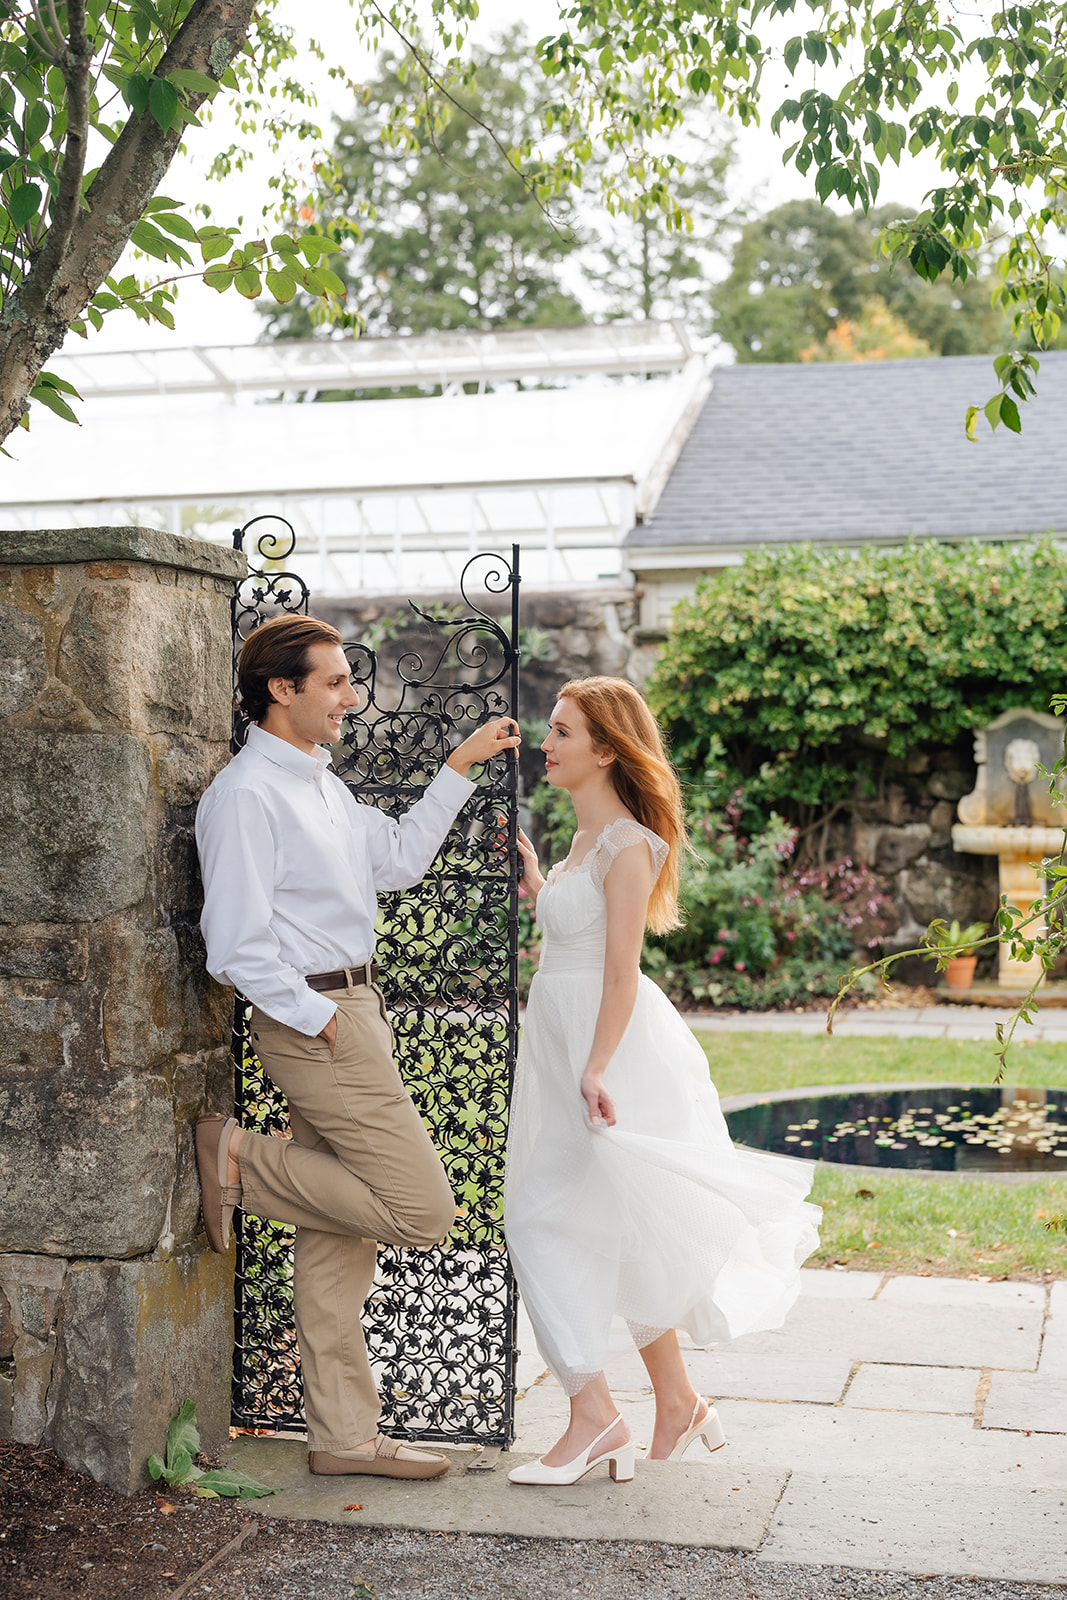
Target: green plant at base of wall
[(178, 1467)]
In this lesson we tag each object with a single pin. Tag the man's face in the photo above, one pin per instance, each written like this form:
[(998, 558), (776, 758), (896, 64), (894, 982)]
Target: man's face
[(316, 714)]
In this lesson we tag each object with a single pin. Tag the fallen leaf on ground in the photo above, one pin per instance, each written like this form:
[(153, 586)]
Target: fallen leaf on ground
[(165, 1507), (354, 1508)]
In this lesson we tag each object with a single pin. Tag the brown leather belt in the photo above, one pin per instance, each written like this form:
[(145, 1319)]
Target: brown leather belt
[(368, 973)]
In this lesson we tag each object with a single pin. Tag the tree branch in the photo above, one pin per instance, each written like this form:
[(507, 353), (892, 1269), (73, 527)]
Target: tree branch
[(75, 61), (88, 234)]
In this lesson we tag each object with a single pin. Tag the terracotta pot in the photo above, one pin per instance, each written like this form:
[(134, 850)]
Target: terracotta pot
[(959, 974)]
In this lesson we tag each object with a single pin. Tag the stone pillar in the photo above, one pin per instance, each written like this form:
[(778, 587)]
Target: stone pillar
[(114, 716)]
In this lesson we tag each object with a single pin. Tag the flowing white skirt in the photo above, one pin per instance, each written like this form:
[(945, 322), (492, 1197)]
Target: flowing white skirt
[(659, 1219)]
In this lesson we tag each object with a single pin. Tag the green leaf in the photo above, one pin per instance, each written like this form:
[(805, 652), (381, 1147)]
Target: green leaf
[(58, 383), (973, 413), (37, 120), (1009, 414), (214, 242), (194, 82), (219, 278), (793, 51), (137, 91), (332, 282), (227, 1481), (992, 410), (155, 1466), (281, 285), (163, 102), (24, 204), (174, 223), (49, 397), (183, 1437), (248, 282), (179, 1468), (314, 246)]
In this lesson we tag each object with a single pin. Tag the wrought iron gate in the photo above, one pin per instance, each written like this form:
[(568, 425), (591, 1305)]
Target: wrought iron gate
[(440, 1323)]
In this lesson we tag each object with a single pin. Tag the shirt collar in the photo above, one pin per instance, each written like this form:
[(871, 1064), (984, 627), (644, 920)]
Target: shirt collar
[(286, 755)]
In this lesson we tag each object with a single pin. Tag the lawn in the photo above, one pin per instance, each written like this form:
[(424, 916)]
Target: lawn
[(894, 1221)]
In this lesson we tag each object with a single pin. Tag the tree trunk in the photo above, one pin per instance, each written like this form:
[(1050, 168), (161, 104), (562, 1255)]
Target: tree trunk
[(36, 318)]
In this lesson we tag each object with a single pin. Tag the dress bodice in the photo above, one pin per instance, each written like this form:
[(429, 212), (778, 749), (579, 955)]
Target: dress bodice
[(572, 908)]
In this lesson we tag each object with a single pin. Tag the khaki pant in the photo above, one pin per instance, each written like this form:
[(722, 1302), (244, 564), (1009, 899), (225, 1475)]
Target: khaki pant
[(360, 1168)]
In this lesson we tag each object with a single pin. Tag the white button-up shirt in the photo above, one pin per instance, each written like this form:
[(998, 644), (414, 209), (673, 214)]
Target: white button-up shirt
[(291, 864)]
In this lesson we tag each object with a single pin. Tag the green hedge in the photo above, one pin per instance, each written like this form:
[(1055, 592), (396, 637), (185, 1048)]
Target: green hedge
[(803, 672)]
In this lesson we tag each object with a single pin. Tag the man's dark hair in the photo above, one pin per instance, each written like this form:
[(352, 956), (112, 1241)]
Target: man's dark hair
[(277, 649)]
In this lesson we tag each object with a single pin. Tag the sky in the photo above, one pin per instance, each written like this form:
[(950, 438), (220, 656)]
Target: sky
[(203, 316)]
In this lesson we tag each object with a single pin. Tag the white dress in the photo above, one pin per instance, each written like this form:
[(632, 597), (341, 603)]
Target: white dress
[(658, 1219)]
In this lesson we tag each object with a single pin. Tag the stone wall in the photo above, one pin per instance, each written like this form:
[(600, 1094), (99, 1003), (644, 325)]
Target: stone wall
[(114, 716)]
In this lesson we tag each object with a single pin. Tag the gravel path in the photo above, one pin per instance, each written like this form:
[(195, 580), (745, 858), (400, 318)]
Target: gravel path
[(329, 1564)]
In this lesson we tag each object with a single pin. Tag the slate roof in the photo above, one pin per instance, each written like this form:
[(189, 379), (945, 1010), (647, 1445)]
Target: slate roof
[(863, 451)]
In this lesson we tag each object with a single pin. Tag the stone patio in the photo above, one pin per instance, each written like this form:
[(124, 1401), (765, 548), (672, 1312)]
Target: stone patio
[(911, 1425)]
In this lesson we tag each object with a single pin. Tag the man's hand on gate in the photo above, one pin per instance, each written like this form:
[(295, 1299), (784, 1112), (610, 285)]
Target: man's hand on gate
[(491, 739)]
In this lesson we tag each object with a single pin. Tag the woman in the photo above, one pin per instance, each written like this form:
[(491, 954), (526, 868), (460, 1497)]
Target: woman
[(624, 1194)]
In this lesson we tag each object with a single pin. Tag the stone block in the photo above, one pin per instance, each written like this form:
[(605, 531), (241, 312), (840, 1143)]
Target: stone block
[(149, 658), (49, 547), (136, 1339), (30, 1287), (898, 846), (933, 889), (23, 654), (44, 951), (87, 1166), (950, 785), (72, 826)]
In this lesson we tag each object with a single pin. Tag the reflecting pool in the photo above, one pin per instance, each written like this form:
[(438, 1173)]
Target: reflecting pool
[(940, 1128)]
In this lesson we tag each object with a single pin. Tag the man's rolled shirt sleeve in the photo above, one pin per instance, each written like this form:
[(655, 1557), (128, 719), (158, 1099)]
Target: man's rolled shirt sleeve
[(237, 855)]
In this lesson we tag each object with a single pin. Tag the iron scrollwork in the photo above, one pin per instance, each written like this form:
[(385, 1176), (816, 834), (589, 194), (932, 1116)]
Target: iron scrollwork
[(440, 1323)]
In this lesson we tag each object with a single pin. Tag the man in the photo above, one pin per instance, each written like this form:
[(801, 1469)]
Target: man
[(291, 865)]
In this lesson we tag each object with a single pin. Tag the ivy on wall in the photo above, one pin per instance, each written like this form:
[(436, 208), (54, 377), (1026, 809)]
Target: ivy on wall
[(804, 674)]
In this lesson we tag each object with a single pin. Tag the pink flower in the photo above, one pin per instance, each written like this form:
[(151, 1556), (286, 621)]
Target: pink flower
[(790, 936), (739, 966), (716, 956)]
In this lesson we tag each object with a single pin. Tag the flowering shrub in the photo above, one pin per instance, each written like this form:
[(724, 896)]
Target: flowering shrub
[(760, 931)]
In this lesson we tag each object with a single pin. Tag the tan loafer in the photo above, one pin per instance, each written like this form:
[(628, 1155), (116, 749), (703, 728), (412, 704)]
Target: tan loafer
[(218, 1198), (391, 1459)]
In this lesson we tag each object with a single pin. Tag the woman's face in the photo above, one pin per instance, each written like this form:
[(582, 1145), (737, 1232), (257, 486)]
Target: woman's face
[(571, 759)]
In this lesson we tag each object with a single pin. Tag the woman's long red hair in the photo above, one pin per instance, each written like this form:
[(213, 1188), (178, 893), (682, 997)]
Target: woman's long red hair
[(644, 780)]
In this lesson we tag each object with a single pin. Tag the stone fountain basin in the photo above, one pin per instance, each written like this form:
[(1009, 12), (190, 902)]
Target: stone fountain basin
[(924, 1127), (985, 840)]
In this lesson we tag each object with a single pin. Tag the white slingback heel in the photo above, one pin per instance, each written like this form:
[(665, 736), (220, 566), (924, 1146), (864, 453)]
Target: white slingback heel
[(709, 1428), (620, 1462)]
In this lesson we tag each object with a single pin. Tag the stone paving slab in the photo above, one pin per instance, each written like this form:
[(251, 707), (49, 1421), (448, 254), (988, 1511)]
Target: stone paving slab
[(724, 1507), (886, 1448), (1053, 1363), (1026, 1401), (887, 1331), (816, 1284), (881, 1387), (910, 1291), (820, 1377), (936, 1527)]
